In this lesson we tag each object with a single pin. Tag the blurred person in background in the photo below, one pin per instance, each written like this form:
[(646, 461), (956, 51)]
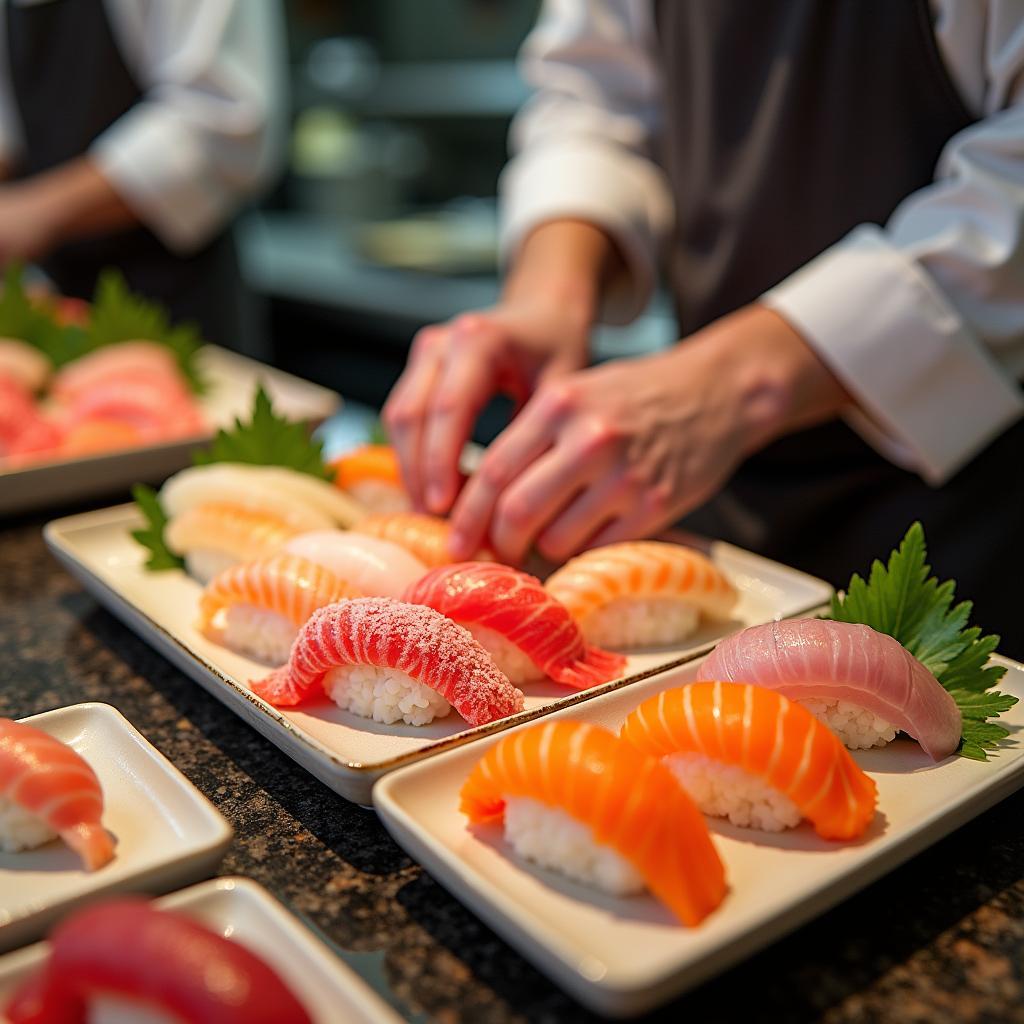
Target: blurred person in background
[(131, 131), (841, 186)]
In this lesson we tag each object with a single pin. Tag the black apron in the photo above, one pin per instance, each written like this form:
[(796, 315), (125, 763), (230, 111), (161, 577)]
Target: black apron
[(788, 123), (70, 84)]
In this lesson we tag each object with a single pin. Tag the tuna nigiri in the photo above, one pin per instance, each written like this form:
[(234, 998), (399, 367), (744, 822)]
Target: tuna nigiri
[(751, 755), (128, 961), (864, 685), (424, 536), (47, 790), (377, 568), (575, 798), (215, 536), (390, 661), (257, 608), (524, 629), (372, 476), (640, 593)]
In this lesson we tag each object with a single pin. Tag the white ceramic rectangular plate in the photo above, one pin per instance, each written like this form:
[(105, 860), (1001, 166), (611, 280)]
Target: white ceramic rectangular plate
[(246, 913), (346, 752), (624, 956), (167, 832), (232, 380)]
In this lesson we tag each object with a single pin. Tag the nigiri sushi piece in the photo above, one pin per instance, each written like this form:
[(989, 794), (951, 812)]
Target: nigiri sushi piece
[(754, 757), (372, 476), (24, 364), (391, 661), (126, 961), (92, 437), (523, 628), (301, 501), (48, 790), (24, 430), (377, 568), (216, 536), (158, 410), (575, 798), (127, 360), (641, 593), (257, 608), (862, 684), (424, 536)]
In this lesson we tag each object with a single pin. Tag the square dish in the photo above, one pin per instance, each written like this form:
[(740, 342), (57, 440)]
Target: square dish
[(239, 908), (344, 751), (167, 833), (624, 956)]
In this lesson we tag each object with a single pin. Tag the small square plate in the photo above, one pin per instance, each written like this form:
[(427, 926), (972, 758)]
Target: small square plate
[(624, 956), (243, 911), (167, 833)]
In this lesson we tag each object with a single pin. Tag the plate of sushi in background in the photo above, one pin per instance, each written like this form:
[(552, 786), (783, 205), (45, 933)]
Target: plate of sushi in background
[(95, 397), (88, 806), (344, 632), (635, 844), (222, 951)]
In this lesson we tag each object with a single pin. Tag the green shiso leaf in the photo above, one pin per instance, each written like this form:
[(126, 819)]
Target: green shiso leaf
[(903, 600), (118, 314), (267, 440), (36, 324), (152, 536)]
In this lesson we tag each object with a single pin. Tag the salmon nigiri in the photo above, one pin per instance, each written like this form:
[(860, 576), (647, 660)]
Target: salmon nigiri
[(864, 685), (527, 632), (392, 662), (641, 593), (47, 790), (372, 476), (575, 798), (257, 608), (424, 536), (752, 756)]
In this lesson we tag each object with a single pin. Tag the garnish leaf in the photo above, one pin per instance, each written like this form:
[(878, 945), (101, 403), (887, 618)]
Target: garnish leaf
[(903, 600), (378, 435), (119, 314), (267, 440), (152, 537), (35, 323)]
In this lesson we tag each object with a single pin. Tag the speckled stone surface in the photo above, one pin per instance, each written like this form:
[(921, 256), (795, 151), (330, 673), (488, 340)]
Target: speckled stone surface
[(941, 939)]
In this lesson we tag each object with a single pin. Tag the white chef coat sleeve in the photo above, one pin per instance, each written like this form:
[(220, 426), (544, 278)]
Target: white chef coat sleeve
[(208, 132), (923, 319), (583, 145)]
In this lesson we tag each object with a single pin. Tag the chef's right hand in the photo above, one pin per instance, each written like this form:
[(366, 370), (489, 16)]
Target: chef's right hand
[(454, 370)]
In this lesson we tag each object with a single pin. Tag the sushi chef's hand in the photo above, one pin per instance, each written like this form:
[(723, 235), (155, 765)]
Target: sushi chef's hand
[(537, 333), (26, 224), (621, 450)]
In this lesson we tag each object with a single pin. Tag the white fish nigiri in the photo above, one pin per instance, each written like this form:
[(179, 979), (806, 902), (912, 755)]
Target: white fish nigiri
[(377, 568), (863, 684)]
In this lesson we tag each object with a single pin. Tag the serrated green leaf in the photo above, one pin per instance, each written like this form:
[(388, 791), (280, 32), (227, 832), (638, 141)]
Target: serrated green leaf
[(36, 324), (980, 706), (267, 440), (152, 536)]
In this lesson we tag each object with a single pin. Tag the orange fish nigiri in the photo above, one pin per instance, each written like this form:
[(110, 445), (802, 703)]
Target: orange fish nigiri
[(626, 818), (424, 536), (751, 755), (48, 789), (372, 476)]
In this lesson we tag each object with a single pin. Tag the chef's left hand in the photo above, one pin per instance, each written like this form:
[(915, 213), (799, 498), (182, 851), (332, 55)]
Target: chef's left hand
[(622, 450)]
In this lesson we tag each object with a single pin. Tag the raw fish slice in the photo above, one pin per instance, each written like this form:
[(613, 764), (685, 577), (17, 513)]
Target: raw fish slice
[(641, 569), (424, 536), (816, 659), (140, 359), (371, 475), (157, 410), (767, 736), (48, 779), (384, 633), (24, 364), (285, 584), (629, 800), (94, 436), (158, 959), (24, 430), (243, 533), (516, 606), (377, 568)]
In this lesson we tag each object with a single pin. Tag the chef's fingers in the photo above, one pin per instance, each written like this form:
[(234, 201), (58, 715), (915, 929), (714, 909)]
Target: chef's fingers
[(464, 385), (405, 411), (643, 519), (580, 522)]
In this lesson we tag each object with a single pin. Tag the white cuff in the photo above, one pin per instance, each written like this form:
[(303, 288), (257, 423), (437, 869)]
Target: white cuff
[(625, 197), (157, 165), (930, 395)]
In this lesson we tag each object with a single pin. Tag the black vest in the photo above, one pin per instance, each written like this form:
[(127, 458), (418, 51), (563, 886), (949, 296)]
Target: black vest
[(788, 123), (70, 84)]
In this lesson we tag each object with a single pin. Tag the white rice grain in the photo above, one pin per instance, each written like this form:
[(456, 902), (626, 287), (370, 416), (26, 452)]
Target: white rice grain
[(257, 633), (384, 694), (857, 727), (509, 658), (641, 622), (20, 829)]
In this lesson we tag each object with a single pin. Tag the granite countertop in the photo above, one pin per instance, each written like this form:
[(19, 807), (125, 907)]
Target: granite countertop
[(940, 939)]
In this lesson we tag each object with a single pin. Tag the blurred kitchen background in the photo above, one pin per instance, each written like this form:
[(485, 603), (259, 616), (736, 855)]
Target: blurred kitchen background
[(385, 219)]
